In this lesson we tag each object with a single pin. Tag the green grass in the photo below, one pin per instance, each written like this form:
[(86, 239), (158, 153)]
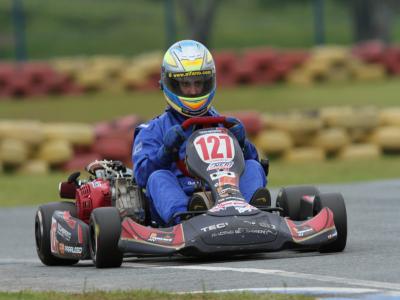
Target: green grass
[(277, 98), (17, 190), (145, 295), (20, 190), (85, 27), (333, 171)]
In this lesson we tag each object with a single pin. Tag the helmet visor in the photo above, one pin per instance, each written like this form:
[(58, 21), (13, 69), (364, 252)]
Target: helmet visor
[(191, 84)]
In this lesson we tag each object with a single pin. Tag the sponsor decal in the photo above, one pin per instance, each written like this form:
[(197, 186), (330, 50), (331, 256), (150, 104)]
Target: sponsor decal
[(138, 148), (303, 231), (242, 231), (332, 235), (214, 227), (64, 233), (230, 198), (80, 234), (53, 239), (61, 248), (309, 198), (220, 165), (190, 73), (222, 233), (70, 221), (96, 184), (254, 231), (160, 237), (250, 222), (220, 174), (227, 180), (214, 130), (240, 206), (73, 250), (267, 225), (225, 192), (262, 231), (246, 208)]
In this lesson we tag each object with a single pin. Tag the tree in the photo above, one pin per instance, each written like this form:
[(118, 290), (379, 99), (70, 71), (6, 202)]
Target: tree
[(199, 18), (372, 19)]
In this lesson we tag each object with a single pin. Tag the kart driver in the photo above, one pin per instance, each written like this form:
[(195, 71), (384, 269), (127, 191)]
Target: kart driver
[(188, 80)]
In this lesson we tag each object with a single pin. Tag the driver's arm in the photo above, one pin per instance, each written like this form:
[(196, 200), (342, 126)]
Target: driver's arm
[(250, 151), (144, 153), (154, 150)]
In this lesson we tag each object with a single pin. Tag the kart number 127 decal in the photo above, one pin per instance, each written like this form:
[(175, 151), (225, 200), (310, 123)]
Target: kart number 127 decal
[(213, 147)]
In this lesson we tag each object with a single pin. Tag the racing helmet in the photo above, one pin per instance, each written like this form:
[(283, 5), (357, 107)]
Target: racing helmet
[(188, 78)]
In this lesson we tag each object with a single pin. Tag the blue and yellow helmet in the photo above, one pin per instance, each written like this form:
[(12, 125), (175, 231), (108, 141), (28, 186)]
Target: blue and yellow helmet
[(187, 62)]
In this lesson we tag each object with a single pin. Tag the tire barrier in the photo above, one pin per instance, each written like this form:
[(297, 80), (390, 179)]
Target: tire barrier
[(113, 148), (143, 72), (34, 167), (55, 152), (33, 79), (304, 154), (76, 134), (366, 118), (302, 127), (359, 151), (331, 140), (387, 138), (273, 142), (343, 133), (334, 64), (258, 66), (376, 52), (30, 132), (80, 161), (389, 116), (13, 152), (252, 121)]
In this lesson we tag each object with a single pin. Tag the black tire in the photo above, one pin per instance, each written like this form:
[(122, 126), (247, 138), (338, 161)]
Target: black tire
[(42, 232), (289, 199), (335, 202), (105, 231)]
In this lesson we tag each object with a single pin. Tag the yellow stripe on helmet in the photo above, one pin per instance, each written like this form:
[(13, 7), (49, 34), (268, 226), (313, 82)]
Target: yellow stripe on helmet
[(168, 58), (191, 65), (197, 105), (194, 103)]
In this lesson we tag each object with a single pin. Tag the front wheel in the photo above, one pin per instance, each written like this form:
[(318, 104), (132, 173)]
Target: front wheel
[(335, 202), (105, 231), (43, 218), (289, 199)]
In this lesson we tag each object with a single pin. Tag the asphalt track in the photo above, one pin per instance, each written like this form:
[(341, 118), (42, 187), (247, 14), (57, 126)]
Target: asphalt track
[(369, 264)]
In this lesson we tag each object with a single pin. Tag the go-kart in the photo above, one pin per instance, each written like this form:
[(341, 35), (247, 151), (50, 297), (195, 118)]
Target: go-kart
[(110, 219)]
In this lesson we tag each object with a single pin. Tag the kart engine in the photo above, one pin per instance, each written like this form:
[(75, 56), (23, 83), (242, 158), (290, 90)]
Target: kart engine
[(112, 184)]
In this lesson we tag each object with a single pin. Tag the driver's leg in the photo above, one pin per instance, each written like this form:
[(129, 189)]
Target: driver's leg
[(166, 194), (252, 179)]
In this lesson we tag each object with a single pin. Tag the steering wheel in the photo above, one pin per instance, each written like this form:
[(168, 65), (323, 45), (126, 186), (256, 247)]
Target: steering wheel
[(206, 121)]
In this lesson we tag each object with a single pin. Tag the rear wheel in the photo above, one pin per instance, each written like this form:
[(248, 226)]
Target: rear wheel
[(42, 232), (105, 231), (289, 199), (335, 202)]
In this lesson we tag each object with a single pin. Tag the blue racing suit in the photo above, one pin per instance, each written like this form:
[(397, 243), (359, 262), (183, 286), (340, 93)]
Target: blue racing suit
[(168, 189)]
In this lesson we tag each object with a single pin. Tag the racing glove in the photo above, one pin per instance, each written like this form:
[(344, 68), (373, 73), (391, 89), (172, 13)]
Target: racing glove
[(172, 141), (238, 130)]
